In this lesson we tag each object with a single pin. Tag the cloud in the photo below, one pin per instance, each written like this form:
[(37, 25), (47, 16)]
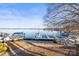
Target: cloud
[(28, 18), (10, 20)]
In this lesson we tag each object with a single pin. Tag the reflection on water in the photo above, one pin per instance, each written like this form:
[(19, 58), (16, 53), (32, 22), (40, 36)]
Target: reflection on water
[(33, 34), (36, 41)]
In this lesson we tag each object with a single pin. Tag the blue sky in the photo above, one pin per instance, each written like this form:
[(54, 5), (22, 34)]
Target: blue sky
[(21, 15)]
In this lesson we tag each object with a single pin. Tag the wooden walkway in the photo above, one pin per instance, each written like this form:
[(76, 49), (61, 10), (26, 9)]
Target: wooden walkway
[(34, 49)]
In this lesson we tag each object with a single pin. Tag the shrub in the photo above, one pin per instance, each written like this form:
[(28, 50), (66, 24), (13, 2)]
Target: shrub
[(54, 41)]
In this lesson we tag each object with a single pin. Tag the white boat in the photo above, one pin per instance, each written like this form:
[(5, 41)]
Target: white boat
[(1, 39), (7, 39)]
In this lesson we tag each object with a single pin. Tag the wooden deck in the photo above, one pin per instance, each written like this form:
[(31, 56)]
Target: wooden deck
[(35, 49)]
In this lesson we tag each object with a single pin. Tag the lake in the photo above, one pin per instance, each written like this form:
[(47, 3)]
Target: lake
[(33, 34), (36, 41)]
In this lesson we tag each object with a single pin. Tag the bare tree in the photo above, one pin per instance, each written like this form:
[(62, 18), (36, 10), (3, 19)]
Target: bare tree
[(62, 15)]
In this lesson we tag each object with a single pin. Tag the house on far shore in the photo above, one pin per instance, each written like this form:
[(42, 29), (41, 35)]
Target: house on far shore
[(4, 35), (18, 35)]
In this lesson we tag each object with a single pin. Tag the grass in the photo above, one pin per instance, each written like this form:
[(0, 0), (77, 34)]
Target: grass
[(3, 48)]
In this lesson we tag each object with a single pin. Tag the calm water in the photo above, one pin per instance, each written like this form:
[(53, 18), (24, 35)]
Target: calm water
[(33, 34), (36, 41)]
